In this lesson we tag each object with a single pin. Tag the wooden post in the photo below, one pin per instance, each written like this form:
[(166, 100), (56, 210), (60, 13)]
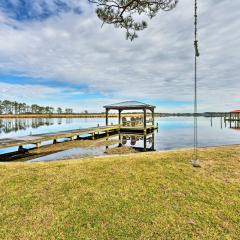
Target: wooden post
[(144, 120), (230, 119), (153, 122), (119, 117), (153, 141), (119, 139), (20, 148), (107, 116), (145, 142)]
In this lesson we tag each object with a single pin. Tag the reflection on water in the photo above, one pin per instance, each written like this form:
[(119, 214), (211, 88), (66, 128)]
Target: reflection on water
[(71, 153), (138, 142), (235, 125), (10, 128), (18, 124)]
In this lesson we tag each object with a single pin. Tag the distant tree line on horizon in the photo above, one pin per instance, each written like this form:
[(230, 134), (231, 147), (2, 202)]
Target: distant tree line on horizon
[(13, 107)]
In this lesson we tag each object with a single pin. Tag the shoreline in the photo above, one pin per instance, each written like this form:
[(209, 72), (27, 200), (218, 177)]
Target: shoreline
[(177, 150), (62, 146)]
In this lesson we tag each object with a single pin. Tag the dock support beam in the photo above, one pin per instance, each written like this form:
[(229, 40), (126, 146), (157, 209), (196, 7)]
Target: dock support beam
[(107, 110), (119, 116), (153, 120), (153, 141), (145, 120), (20, 148), (145, 143), (38, 145)]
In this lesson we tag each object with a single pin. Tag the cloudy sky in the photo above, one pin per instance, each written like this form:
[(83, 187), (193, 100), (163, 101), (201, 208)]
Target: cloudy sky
[(55, 52)]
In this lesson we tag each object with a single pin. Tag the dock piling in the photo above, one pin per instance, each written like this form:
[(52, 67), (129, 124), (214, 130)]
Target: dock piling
[(20, 148), (38, 145)]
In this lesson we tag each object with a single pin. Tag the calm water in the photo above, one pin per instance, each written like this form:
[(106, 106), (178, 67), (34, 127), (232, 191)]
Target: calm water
[(174, 132)]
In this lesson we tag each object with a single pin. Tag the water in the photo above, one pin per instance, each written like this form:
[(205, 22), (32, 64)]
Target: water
[(72, 153), (174, 132), (137, 142)]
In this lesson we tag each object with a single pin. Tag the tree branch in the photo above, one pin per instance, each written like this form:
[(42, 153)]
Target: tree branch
[(121, 13)]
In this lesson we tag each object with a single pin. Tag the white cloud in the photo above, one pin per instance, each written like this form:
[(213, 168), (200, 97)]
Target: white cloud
[(17, 91), (36, 94), (159, 65)]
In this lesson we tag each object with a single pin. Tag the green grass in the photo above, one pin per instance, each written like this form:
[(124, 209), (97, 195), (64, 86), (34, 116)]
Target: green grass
[(137, 196)]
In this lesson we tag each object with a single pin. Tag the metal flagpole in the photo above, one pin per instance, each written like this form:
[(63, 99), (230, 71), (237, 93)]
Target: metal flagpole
[(195, 161)]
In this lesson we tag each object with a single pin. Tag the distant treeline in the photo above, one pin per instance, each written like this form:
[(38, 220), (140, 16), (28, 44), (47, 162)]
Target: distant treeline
[(215, 114), (177, 114), (205, 114), (13, 107), (10, 108)]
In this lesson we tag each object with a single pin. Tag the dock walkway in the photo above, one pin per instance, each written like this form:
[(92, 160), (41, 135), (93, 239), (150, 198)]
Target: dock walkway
[(37, 139)]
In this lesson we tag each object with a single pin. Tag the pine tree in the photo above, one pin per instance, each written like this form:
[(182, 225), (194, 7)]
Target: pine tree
[(125, 13)]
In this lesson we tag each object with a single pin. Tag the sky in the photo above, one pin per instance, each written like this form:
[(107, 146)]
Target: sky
[(57, 53)]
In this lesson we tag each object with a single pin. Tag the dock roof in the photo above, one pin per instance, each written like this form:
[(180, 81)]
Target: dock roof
[(129, 105)]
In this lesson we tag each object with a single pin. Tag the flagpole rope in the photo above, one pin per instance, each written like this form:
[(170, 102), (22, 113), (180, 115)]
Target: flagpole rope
[(196, 55)]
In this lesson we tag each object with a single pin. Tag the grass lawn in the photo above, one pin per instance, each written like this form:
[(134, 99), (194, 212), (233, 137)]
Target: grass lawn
[(138, 196)]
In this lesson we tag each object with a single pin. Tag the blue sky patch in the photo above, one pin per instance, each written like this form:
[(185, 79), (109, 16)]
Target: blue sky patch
[(27, 10)]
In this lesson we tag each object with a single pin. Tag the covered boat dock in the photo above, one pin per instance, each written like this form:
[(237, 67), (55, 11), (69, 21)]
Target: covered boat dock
[(141, 123)]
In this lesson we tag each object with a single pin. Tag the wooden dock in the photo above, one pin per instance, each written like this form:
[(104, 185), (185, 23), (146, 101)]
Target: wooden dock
[(232, 119), (233, 116), (37, 139)]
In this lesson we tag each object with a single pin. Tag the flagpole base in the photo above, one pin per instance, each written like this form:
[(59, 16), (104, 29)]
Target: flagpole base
[(196, 163)]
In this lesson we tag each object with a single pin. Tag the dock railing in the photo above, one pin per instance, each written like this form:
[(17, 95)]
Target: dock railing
[(135, 123)]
